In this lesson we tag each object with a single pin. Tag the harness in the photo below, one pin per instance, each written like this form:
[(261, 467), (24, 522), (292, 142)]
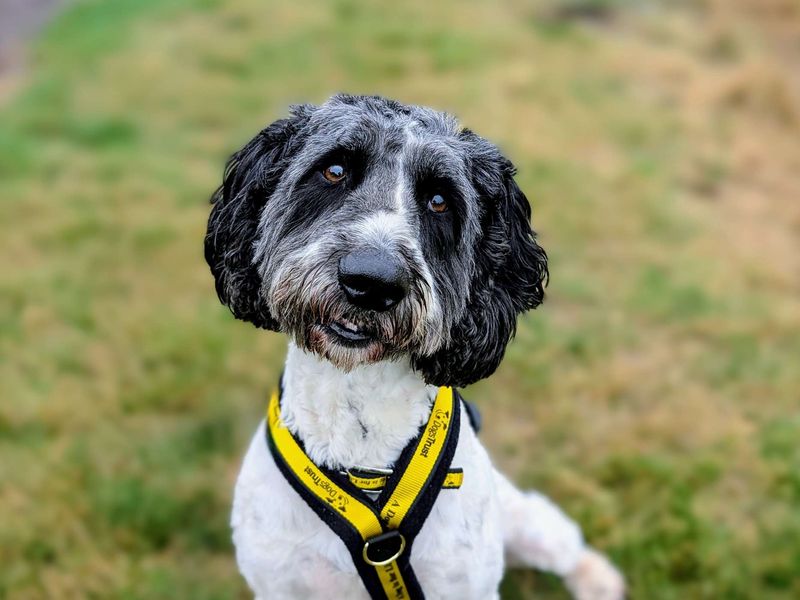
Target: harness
[(377, 513)]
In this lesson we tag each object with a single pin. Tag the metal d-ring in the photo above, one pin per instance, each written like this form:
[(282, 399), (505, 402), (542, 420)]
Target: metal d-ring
[(374, 545)]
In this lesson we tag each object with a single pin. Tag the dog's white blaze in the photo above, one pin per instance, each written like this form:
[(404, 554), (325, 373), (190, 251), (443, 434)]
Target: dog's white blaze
[(431, 330), (390, 230), (400, 197), (383, 229)]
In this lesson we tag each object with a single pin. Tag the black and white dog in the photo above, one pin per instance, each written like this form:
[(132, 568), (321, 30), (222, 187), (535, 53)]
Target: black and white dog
[(395, 249)]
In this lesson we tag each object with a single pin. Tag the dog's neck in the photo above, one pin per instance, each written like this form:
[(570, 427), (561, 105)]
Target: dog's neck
[(364, 417)]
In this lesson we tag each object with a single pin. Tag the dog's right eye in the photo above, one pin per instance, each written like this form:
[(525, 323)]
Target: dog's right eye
[(334, 173), (437, 204)]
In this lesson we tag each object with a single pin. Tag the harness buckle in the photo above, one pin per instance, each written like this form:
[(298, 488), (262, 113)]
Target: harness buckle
[(384, 548), (370, 470)]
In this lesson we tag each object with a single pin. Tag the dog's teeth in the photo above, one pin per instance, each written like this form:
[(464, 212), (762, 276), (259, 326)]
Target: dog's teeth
[(349, 325)]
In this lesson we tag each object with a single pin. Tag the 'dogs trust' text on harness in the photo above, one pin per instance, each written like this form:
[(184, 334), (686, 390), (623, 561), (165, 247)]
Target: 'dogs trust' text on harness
[(378, 512)]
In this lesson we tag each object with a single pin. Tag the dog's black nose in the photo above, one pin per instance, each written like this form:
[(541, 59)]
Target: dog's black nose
[(372, 279)]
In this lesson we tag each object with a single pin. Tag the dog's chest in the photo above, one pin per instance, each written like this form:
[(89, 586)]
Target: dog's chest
[(285, 551)]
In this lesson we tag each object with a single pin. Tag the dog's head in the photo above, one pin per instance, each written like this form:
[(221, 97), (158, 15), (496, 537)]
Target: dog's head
[(369, 230)]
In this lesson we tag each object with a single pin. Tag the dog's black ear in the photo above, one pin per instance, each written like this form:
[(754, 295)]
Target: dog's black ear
[(251, 176), (510, 275)]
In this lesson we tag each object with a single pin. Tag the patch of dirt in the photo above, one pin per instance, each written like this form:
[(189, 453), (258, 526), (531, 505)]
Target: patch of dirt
[(19, 20)]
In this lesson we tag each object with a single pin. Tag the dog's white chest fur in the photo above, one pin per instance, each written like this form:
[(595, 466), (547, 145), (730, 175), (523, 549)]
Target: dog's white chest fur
[(366, 417), (285, 551)]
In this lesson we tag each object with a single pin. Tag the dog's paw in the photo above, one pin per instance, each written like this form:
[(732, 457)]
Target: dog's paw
[(595, 578)]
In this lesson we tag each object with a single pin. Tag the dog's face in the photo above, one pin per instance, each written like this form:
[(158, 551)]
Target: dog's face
[(367, 229)]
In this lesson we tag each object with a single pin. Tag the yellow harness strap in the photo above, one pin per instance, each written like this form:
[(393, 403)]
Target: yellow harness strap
[(453, 480), (377, 534)]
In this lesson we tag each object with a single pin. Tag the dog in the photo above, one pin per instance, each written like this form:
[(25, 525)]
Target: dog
[(395, 250)]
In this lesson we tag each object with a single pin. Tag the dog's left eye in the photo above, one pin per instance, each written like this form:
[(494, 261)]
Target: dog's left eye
[(334, 173), (437, 204)]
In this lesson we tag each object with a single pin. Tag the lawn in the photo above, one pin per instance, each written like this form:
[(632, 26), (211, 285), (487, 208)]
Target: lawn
[(655, 395)]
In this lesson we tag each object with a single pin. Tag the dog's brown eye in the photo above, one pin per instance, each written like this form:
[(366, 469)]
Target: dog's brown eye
[(334, 173), (437, 204)]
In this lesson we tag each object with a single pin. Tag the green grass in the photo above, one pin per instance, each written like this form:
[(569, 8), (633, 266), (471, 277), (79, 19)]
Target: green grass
[(654, 396)]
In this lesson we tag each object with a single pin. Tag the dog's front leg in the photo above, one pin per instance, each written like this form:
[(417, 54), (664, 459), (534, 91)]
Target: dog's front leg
[(537, 534)]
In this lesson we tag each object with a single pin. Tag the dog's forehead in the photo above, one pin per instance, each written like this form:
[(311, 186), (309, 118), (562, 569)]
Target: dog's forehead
[(381, 126), (344, 112)]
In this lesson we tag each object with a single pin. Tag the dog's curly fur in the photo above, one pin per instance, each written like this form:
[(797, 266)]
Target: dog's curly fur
[(486, 267), (278, 233)]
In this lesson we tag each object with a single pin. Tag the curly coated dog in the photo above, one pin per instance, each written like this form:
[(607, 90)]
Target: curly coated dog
[(395, 250)]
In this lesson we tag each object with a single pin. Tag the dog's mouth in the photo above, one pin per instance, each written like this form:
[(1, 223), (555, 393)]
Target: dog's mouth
[(347, 333), (346, 343)]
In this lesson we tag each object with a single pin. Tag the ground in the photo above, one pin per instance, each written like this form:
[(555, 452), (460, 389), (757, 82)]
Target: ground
[(654, 395)]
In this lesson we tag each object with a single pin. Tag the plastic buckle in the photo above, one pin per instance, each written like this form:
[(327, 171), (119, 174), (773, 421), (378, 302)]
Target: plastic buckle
[(384, 548)]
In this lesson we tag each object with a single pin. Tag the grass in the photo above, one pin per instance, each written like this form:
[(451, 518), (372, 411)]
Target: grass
[(654, 396)]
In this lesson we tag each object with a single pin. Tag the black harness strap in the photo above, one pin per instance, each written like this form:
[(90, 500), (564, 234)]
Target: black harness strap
[(378, 534)]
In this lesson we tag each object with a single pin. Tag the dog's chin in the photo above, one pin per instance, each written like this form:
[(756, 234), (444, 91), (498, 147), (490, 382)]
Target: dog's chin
[(345, 344)]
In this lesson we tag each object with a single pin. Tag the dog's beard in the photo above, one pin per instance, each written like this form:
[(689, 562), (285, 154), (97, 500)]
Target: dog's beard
[(320, 339), (310, 307)]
